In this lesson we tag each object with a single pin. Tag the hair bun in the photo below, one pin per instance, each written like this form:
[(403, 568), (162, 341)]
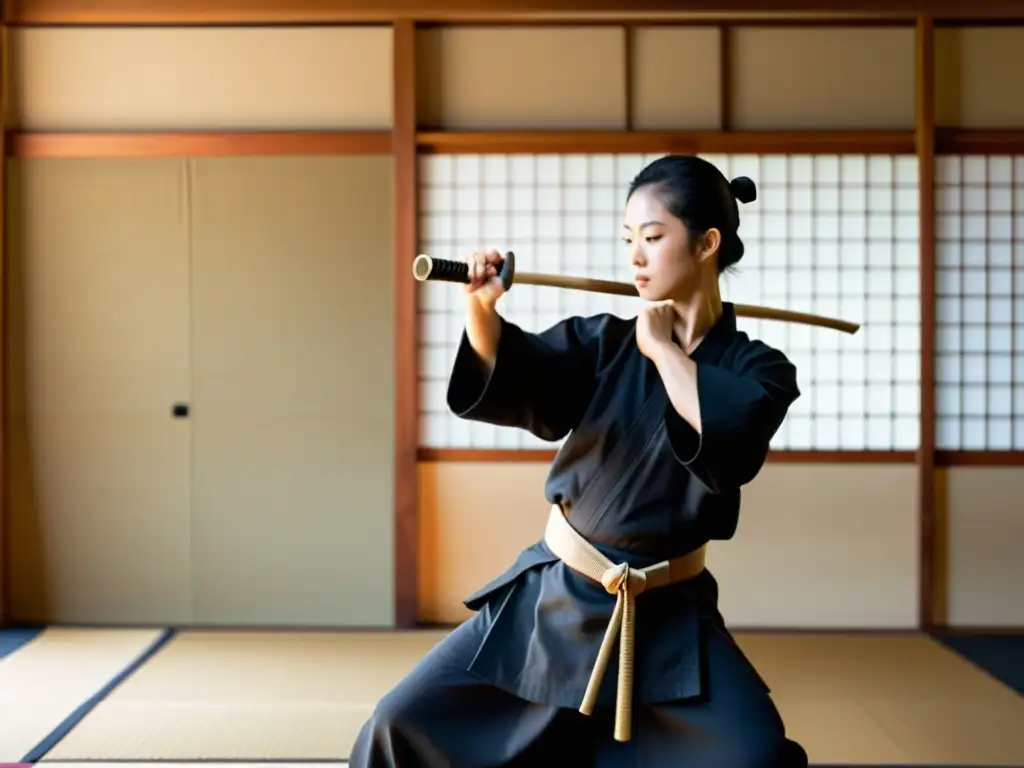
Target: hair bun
[(743, 189)]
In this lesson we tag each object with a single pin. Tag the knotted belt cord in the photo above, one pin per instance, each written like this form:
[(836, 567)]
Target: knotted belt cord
[(626, 583)]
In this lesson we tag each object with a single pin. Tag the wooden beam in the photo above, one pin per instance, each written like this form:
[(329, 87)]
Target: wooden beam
[(227, 144), (925, 120), (950, 141), (525, 142), (690, 21), (5, 528), (725, 76), (979, 459), (406, 328), (198, 144), (537, 455), (943, 459), (629, 75), (347, 11)]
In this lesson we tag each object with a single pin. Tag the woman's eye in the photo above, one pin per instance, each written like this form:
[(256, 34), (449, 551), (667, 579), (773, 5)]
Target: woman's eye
[(653, 238)]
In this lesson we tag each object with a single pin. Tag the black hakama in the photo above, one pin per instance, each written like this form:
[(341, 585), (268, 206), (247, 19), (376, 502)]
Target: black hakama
[(641, 485)]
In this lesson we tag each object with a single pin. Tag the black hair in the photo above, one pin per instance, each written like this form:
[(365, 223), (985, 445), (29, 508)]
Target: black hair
[(695, 192)]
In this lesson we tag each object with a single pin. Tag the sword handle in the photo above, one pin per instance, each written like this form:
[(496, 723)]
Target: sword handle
[(447, 270)]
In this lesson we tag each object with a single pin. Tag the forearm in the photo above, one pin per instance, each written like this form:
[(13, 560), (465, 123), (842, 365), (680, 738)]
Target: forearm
[(679, 375), (483, 330)]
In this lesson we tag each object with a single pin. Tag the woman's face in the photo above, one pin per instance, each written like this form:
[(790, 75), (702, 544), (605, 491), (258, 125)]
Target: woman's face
[(664, 264)]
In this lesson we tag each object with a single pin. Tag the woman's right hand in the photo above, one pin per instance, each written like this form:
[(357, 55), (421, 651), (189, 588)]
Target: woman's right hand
[(484, 286)]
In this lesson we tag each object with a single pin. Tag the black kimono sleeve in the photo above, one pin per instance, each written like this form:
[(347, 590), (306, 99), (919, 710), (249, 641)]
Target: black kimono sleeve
[(742, 406), (541, 382)]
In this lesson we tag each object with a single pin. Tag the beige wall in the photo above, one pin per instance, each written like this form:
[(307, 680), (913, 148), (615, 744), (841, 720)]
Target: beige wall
[(983, 527), (241, 287), (478, 79), (976, 70), (795, 561), (190, 78), (227, 283)]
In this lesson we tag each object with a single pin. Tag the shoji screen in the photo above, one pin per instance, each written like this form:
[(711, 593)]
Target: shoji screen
[(979, 371), (834, 235), (980, 303)]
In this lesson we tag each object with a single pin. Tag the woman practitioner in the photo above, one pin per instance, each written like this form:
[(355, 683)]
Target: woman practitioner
[(602, 645)]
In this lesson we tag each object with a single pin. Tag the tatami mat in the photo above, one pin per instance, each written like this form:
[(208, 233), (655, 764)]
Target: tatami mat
[(46, 680), (247, 695), (13, 639), (303, 696), (889, 699)]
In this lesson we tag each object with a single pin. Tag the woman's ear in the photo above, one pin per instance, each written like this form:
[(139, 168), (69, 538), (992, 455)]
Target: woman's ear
[(709, 244)]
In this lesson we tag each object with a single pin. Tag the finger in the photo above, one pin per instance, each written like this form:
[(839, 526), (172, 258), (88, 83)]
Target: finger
[(481, 277), (481, 265), (477, 269)]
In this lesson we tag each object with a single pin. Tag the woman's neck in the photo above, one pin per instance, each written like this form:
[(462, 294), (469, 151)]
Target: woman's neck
[(697, 312)]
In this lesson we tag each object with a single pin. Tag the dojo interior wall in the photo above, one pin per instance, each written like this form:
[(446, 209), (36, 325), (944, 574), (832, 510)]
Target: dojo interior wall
[(978, 506), (259, 290), (823, 542)]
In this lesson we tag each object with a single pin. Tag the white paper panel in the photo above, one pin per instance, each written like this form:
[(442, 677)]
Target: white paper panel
[(834, 235), (979, 364)]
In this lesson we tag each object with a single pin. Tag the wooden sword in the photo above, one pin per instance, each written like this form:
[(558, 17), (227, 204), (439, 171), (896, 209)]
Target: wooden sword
[(446, 270)]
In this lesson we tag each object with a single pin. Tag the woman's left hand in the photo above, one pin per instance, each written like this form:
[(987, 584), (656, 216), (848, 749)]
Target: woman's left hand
[(654, 325)]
